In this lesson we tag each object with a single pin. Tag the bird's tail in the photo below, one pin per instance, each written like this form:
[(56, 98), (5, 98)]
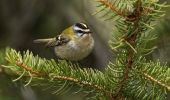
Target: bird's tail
[(43, 40)]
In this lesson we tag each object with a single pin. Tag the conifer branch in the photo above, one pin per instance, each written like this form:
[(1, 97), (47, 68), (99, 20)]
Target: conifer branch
[(132, 41), (122, 79), (109, 5), (156, 81), (57, 77), (34, 73)]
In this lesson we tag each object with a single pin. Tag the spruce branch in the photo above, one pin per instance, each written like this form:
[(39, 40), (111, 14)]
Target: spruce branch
[(37, 69), (150, 81), (131, 38), (111, 6), (45, 75), (34, 73), (132, 41), (129, 77), (157, 81), (123, 12)]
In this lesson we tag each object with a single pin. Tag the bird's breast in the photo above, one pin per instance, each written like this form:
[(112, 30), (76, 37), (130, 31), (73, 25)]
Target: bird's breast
[(75, 50)]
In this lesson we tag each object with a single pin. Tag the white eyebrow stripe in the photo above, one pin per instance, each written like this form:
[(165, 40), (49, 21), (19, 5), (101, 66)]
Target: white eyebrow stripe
[(84, 30), (84, 25)]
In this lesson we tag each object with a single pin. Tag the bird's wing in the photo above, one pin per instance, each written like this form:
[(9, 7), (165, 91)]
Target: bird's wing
[(51, 42), (61, 40), (58, 41)]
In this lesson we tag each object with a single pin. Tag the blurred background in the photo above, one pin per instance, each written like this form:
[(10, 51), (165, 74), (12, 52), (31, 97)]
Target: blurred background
[(22, 21)]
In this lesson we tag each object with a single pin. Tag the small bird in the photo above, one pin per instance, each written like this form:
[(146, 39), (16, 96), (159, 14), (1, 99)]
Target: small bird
[(74, 43)]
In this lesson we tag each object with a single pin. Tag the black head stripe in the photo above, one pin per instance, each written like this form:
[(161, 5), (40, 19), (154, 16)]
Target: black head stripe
[(79, 31), (81, 25)]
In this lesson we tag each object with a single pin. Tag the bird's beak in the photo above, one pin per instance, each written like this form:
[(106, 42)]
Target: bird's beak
[(50, 42)]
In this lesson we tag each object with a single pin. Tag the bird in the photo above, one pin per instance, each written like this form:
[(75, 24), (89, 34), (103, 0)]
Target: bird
[(74, 43)]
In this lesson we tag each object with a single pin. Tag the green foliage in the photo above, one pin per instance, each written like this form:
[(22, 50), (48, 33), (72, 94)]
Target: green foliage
[(142, 86), (60, 76), (130, 77)]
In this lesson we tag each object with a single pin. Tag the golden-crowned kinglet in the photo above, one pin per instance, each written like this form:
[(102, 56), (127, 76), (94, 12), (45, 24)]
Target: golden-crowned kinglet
[(74, 43)]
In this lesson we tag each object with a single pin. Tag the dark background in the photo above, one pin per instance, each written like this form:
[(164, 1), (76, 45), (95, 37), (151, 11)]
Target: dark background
[(22, 21)]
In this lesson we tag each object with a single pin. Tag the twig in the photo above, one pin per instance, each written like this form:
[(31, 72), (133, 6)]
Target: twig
[(126, 71), (156, 81), (132, 41), (58, 77), (131, 17), (35, 73), (107, 4)]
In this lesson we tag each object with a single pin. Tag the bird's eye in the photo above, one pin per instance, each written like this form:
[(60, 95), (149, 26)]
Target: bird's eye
[(79, 31)]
